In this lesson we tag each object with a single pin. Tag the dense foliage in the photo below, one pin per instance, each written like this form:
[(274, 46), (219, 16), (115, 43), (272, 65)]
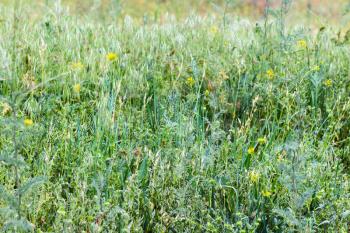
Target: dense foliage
[(201, 125)]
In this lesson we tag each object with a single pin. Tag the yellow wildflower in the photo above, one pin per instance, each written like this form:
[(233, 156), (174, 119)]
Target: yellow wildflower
[(262, 140), (77, 65), (111, 56), (302, 44), (266, 193), (328, 83), (214, 30), (28, 122), (270, 73), (76, 88), (251, 150), (190, 81), (254, 176), (207, 93)]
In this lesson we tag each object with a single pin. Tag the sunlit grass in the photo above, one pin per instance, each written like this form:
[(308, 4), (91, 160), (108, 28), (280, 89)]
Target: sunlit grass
[(196, 124)]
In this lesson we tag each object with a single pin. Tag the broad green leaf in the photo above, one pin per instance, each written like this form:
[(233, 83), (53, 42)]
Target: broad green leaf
[(142, 174)]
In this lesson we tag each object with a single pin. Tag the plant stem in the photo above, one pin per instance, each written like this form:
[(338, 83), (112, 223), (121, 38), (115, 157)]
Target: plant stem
[(15, 145), (14, 110)]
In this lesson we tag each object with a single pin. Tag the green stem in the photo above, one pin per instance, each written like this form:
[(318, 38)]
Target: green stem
[(15, 145), (14, 110)]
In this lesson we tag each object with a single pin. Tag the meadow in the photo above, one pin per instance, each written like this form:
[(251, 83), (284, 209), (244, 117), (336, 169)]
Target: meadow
[(198, 120)]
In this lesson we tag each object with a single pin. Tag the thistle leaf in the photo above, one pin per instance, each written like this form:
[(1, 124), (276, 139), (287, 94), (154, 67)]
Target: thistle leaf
[(8, 198), (18, 225), (31, 183), (12, 161)]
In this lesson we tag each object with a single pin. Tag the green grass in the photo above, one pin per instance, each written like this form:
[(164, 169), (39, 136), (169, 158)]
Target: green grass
[(161, 138)]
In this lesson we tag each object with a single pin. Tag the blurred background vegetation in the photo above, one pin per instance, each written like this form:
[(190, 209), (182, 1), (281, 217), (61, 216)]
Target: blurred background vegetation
[(314, 12)]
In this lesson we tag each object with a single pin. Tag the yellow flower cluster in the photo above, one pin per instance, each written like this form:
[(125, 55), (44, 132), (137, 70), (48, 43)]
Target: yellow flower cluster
[(302, 44), (270, 73), (328, 82), (190, 81)]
